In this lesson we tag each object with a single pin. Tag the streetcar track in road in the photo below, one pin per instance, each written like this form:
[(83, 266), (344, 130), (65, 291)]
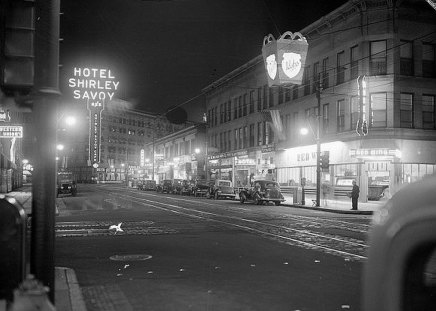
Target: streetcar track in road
[(349, 226), (303, 237), (322, 222)]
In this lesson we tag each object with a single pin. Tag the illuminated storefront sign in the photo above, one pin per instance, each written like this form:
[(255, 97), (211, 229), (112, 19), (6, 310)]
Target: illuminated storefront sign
[(11, 132), (246, 161), (228, 155), (374, 152), (285, 58), (268, 148)]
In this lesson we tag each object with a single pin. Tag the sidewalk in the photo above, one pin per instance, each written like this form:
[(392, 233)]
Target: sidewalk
[(342, 206), (68, 296)]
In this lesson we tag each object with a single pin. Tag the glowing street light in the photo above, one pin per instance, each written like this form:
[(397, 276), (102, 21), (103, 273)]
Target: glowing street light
[(304, 131), (70, 120)]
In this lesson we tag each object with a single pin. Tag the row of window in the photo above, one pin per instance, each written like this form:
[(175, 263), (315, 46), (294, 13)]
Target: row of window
[(186, 147), (256, 134), (121, 141), (264, 97), (347, 114), (128, 131), (133, 122)]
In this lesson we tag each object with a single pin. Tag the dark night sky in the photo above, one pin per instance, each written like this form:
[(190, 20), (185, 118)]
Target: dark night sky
[(164, 52)]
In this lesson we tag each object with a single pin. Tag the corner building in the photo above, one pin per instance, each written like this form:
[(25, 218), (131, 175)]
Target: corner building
[(383, 43)]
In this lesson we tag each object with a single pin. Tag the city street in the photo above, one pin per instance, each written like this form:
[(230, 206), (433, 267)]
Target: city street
[(184, 253)]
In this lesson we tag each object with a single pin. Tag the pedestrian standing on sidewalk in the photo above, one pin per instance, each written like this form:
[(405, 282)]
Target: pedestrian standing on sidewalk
[(354, 196), (325, 192)]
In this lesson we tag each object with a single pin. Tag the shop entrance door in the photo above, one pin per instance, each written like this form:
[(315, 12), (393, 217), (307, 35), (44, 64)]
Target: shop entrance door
[(378, 173)]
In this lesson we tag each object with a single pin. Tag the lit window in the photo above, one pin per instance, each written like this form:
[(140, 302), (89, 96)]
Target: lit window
[(378, 115), (428, 112), (406, 110)]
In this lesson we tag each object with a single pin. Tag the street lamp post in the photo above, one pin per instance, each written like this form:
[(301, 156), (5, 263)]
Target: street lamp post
[(318, 144), (317, 135)]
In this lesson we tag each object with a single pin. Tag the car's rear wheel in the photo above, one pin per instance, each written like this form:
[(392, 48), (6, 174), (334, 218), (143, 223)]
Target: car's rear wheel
[(242, 198)]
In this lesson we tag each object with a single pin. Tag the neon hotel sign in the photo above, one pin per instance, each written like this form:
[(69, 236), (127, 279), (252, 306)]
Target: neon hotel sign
[(95, 86)]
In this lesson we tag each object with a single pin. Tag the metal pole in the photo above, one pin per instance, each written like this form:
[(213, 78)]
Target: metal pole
[(205, 161), (44, 113), (318, 145), (153, 151)]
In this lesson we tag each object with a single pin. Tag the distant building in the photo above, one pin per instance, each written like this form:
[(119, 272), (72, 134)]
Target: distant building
[(255, 128), (124, 134), (179, 155)]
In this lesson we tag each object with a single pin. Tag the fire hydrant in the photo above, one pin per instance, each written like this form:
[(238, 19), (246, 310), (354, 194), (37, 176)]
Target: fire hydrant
[(31, 295)]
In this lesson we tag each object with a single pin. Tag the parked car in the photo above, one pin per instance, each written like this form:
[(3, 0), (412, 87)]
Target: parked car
[(165, 186), (66, 184), (221, 189), (149, 185), (201, 187), (177, 186), (261, 192), (140, 185), (187, 186)]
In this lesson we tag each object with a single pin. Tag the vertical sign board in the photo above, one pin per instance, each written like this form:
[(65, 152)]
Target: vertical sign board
[(95, 86), (285, 58)]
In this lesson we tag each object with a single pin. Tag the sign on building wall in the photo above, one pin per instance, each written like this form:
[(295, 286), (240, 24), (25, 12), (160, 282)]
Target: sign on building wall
[(285, 58), (95, 86), (11, 131)]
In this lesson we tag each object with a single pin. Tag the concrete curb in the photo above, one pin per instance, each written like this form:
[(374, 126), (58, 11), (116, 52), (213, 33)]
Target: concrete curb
[(77, 301), (75, 297), (337, 211)]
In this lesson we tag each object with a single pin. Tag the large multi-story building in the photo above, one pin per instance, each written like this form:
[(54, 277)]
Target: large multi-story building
[(124, 134), (389, 47)]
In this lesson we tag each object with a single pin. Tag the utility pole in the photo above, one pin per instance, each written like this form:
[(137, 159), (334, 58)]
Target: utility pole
[(46, 98), (318, 143)]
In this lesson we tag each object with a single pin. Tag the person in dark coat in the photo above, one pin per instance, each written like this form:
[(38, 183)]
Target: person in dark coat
[(354, 195)]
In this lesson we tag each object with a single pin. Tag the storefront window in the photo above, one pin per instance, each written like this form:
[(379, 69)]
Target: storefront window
[(346, 170), (414, 172), (309, 172), (289, 176)]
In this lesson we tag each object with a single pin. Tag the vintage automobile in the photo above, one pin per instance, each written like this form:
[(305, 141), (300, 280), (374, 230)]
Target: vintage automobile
[(149, 184), (262, 191), (177, 186), (66, 184), (165, 186), (221, 189), (200, 188), (187, 186)]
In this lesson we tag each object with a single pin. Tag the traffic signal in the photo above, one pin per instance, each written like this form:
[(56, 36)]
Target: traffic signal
[(324, 161), (17, 26), (359, 127), (364, 128)]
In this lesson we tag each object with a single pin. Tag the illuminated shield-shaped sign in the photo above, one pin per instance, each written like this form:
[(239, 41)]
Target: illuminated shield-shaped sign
[(285, 58)]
